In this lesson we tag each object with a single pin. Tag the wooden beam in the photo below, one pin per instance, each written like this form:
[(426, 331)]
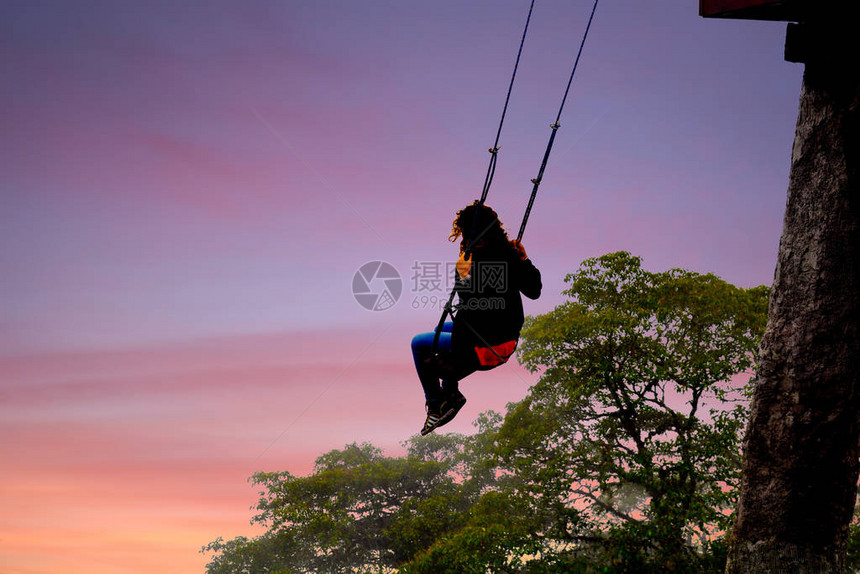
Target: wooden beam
[(780, 10)]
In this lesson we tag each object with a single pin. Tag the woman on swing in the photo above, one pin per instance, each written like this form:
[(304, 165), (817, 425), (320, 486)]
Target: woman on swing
[(492, 271)]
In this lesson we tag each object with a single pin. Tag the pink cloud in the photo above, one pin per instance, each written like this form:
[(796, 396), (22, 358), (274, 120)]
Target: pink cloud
[(134, 459)]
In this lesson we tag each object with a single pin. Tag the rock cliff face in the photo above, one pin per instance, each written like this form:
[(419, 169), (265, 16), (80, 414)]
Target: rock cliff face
[(803, 441)]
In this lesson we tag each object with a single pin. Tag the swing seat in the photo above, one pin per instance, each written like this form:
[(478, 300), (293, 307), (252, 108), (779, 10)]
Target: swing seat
[(490, 357), (486, 358)]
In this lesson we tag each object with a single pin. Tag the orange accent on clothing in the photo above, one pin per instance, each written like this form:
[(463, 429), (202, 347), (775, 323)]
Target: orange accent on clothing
[(495, 355), (464, 266)]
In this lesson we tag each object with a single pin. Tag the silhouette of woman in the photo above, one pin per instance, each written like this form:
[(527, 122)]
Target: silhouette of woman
[(492, 271)]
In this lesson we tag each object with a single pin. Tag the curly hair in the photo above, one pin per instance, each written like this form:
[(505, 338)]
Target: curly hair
[(479, 226)]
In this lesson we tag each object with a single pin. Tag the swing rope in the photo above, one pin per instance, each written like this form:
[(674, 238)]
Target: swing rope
[(449, 308), (536, 181), (491, 171), (494, 151)]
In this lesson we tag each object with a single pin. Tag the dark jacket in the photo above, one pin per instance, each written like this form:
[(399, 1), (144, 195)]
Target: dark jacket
[(490, 310)]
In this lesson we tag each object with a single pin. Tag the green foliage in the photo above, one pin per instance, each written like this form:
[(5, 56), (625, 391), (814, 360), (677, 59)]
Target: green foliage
[(257, 556), (636, 419), (470, 550), (361, 508), (624, 457)]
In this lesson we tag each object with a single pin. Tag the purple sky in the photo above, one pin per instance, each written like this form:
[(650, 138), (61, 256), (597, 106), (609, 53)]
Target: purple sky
[(187, 192)]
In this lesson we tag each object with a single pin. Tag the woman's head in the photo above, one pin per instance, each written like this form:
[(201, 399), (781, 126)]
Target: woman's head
[(478, 224)]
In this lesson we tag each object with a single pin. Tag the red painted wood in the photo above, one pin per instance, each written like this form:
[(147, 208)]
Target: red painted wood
[(786, 10)]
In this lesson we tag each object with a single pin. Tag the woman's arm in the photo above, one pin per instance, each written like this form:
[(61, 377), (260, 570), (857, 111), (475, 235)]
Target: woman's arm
[(528, 276)]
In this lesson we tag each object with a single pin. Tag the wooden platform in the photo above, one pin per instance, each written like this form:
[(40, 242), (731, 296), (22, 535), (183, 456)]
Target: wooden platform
[(779, 10)]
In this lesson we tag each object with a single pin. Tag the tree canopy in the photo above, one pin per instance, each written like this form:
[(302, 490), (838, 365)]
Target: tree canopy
[(623, 457), (636, 418)]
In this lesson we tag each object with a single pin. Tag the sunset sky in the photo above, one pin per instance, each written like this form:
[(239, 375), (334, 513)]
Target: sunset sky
[(187, 190)]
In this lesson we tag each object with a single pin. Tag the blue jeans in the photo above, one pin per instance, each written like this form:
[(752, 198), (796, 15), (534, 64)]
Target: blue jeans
[(422, 351)]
